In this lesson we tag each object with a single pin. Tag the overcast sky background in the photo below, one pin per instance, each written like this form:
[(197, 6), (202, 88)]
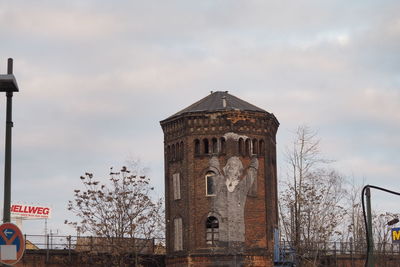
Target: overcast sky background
[(96, 77)]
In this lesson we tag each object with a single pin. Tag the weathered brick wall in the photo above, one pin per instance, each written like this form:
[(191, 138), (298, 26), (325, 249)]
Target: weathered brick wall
[(355, 260), (65, 258), (220, 261), (260, 213)]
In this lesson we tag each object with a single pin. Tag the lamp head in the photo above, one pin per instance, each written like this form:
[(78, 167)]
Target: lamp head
[(392, 222), (7, 81)]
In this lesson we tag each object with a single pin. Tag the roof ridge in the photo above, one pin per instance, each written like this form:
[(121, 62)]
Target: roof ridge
[(217, 101)]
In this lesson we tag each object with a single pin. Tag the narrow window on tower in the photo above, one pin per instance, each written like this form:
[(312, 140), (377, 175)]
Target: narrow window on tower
[(168, 153), (255, 147), (223, 145), (210, 184), (173, 152), (197, 147), (247, 145), (205, 145), (214, 145), (241, 147), (212, 230), (262, 147), (177, 152), (176, 180), (178, 240), (181, 151)]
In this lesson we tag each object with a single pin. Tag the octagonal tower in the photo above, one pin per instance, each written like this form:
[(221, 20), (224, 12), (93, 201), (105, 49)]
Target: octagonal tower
[(220, 183)]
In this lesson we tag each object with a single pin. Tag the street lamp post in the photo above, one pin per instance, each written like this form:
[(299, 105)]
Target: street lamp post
[(371, 261), (9, 85), (368, 219)]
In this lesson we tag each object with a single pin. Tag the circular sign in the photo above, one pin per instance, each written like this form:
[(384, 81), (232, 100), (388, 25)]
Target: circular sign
[(12, 244)]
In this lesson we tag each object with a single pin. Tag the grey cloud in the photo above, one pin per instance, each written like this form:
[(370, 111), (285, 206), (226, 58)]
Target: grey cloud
[(94, 88)]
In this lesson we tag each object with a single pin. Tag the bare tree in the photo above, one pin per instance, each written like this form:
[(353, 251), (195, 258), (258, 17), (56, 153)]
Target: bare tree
[(355, 231), (121, 214), (380, 228), (310, 198), (353, 227)]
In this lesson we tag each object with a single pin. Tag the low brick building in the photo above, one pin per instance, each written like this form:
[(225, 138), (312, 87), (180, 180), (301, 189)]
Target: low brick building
[(220, 183)]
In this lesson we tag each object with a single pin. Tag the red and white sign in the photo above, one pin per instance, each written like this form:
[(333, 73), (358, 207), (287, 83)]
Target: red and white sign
[(12, 244), (29, 211)]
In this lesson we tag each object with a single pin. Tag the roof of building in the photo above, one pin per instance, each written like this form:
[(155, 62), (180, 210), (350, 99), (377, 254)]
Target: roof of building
[(218, 101)]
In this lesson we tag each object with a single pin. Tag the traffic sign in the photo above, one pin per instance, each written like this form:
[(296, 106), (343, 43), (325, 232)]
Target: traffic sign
[(12, 244)]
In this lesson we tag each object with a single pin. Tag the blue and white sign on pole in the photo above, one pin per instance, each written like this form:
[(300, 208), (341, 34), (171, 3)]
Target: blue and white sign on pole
[(12, 244)]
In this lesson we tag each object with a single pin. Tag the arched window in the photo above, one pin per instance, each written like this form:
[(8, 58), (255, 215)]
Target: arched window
[(197, 147), (247, 146), (210, 184), (212, 230), (223, 145), (241, 146), (214, 145), (262, 147), (255, 146), (173, 152), (181, 151), (205, 144), (177, 152)]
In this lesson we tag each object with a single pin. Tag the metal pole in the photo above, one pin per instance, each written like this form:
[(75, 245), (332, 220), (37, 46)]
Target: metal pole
[(7, 161), (371, 262), (47, 248)]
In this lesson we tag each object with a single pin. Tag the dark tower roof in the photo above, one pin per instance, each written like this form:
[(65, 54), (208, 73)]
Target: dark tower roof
[(219, 101)]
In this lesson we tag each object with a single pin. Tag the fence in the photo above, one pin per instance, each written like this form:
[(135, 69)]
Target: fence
[(325, 250), (332, 248), (95, 244), (157, 245)]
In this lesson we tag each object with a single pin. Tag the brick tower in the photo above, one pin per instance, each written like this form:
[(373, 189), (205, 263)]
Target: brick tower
[(220, 183)]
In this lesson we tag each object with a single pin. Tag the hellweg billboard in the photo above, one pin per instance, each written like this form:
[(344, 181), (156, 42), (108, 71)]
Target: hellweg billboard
[(30, 212)]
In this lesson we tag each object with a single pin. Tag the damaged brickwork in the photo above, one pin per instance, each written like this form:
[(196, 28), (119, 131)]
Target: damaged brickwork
[(222, 152)]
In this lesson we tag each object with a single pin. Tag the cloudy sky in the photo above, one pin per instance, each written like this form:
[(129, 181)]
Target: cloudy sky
[(96, 77)]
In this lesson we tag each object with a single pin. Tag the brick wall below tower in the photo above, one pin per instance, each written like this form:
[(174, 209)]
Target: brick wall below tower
[(220, 261)]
